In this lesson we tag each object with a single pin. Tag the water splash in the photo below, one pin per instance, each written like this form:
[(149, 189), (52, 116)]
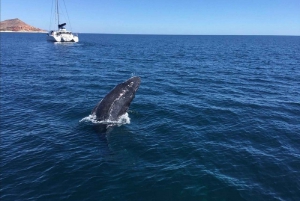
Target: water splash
[(124, 119)]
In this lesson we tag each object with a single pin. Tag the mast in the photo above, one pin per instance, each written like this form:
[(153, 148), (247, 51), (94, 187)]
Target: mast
[(57, 13)]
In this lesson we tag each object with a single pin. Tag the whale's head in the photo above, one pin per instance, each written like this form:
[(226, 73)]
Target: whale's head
[(117, 101), (132, 84)]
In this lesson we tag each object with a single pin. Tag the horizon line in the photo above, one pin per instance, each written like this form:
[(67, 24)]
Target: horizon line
[(160, 34)]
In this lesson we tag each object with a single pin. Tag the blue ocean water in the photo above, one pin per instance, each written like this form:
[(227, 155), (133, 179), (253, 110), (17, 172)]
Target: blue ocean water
[(215, 118)]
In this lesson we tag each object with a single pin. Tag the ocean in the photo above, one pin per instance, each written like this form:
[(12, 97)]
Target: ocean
[(216, 118)]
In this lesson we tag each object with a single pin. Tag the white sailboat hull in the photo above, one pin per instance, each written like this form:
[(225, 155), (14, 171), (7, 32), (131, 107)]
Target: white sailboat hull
[(62, 36)]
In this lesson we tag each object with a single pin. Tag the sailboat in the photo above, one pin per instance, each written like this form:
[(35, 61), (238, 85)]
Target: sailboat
[(61, 35)]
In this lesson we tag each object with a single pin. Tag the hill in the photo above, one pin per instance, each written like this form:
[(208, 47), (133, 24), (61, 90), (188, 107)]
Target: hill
[(18, 26)]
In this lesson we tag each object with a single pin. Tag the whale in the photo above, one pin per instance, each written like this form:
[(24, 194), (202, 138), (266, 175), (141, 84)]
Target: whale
[(116, 103)]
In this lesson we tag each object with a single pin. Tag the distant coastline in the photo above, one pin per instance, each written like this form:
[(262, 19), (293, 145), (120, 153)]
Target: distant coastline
[(23, 31)]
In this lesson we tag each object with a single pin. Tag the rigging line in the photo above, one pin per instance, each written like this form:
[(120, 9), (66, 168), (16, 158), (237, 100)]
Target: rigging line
[(51, 16), (68, 16), (57, 12)]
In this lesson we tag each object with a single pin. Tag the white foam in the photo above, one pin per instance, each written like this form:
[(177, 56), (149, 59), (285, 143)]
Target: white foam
[(124, 119)]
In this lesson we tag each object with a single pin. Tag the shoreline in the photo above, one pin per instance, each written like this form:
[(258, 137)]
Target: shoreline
[(23, 32)]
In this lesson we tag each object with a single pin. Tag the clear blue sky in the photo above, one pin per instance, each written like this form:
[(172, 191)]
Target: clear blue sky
[(242, 17)]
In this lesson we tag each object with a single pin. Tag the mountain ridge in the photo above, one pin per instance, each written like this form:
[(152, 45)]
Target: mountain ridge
[(17, 25)]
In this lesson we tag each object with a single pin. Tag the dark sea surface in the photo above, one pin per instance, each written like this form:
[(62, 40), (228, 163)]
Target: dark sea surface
[(216, 118)]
